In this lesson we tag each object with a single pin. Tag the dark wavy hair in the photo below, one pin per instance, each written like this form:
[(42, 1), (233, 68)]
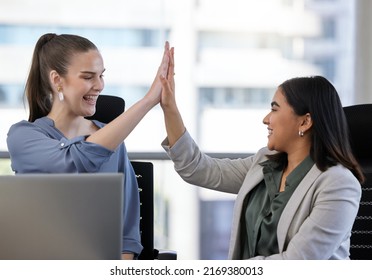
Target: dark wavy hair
[(330, 142), (52, 52)]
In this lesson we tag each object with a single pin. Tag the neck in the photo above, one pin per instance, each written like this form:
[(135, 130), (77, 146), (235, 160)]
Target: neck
[(70, 126), (295, 159)]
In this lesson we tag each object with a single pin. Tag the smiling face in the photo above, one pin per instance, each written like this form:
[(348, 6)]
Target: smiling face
[(83, 83), (283, 125)]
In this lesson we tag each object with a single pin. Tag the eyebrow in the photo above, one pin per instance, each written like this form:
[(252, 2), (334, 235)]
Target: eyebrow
[(274, 103), (91, 72)]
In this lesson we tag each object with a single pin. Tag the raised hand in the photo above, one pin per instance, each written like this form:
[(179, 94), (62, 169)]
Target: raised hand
[(168, 94), (154, 92), (172, 117)]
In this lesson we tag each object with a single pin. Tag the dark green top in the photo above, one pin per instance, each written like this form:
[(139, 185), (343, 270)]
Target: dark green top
[(264, 206)]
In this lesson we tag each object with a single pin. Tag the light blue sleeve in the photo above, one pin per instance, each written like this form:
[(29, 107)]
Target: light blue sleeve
[(32, 149)]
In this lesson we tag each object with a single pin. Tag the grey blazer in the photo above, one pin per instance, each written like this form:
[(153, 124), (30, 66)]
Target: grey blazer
[(317, 220)]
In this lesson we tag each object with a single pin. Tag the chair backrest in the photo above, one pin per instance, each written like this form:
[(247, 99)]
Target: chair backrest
[(145, 178), (359, 118), (109, 107)]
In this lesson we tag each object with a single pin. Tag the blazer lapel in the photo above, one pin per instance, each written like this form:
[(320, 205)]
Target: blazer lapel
[(254, 176), (293, 204)]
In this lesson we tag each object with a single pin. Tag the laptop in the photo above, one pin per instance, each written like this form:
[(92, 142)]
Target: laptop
[(61, 216)]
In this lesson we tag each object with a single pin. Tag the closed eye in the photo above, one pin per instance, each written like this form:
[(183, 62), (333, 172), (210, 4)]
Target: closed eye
[(274, 106)]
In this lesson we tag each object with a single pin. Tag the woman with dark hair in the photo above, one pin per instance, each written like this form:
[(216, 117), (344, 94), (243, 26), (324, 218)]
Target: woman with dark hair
[(298, 197), (64, 82)]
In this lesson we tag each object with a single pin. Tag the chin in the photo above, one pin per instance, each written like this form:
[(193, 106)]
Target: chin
[(89, 114), (270, 147)]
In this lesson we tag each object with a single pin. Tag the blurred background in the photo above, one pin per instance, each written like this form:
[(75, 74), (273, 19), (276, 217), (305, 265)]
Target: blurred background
[(230, 57)]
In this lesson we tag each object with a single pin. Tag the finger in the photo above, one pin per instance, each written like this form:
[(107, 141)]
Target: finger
[(163, 68), (167, 89), (166, 49), (171, 72), (171, 63)]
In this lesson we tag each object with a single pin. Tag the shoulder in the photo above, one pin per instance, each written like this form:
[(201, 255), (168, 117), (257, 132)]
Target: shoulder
[(20, 124), (42, 124), (26, 132), (20, 127), (339, 172), (339, 178)]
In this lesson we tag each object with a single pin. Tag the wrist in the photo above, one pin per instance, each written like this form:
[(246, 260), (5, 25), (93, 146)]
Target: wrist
[(149, 101), (170, 108)]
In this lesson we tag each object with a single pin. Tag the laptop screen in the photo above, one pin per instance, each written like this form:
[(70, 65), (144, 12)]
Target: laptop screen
[(61, 216)]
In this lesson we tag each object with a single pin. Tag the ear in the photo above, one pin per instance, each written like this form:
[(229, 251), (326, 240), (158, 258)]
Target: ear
[(307, 122), (55, 79)]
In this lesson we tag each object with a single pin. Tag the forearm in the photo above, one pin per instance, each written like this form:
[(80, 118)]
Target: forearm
[(174, 124)]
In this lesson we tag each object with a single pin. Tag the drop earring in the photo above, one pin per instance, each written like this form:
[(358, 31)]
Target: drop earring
[(60, 94)]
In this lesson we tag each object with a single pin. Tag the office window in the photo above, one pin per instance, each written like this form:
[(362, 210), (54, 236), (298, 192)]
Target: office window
[(209, 39), (329, 27), (11, 95), (130, 94), (328, 65), (235, 97), (2, 95), (113, 37), (215, 221)]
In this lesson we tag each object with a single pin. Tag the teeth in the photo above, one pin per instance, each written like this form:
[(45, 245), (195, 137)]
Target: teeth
[(90, 97), (270, 131)]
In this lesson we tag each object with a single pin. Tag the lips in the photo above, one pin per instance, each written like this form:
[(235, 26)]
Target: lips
[(90, 98)]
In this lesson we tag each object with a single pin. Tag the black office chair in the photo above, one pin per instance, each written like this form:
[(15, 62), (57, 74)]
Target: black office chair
[(359, 118), (109, 107)]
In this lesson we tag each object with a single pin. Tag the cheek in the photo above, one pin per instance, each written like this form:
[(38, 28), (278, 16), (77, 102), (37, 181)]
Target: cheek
[(283, 126), (290, 130), (82, 87)]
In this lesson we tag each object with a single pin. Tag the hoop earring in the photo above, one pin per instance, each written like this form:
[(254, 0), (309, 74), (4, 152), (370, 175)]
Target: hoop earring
[(300, 133)]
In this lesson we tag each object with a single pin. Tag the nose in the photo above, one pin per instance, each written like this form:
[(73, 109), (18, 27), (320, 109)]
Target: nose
[(266, 119), (99, 84)]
